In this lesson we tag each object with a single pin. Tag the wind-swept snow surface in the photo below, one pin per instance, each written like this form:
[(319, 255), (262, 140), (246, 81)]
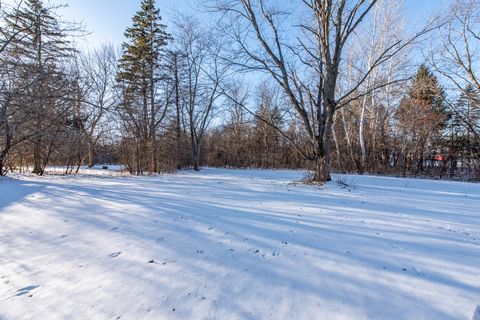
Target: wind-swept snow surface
[(227, 244)]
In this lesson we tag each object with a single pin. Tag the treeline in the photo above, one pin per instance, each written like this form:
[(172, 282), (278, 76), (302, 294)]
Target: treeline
[(243, 92), (421, 135)]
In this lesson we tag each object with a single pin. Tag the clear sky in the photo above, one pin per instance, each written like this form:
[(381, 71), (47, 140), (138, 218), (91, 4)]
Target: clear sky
[(107, 19)]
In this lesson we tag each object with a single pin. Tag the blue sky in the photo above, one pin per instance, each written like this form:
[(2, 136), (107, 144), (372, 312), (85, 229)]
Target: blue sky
[(107, 19)]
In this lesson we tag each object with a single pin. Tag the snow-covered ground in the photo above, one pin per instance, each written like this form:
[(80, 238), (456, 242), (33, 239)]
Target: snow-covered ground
[(232, 244)]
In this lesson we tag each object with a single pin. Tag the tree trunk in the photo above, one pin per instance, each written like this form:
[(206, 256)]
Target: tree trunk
[(2, 157), (90, 155), (137, 158), (43, 165), (322, 160), (6, 149), (196, 157), (322, 170), (337, 147), (37, 161), (153, 153), (177, 107), (349, 142), (324, 138), (361, 136)]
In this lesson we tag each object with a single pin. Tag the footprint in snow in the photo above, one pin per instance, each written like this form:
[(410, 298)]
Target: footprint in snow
[(258, 253), (26, 290), (420, 273), (114, 255), (275, 253)]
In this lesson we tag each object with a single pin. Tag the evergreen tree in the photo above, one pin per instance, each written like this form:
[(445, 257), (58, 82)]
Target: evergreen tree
[(421, 117), (426, 89), (141, 72), (43, 39), (38, 50)]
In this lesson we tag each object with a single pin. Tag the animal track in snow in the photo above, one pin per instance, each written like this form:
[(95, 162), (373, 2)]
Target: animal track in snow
[(114, 255), (26, 290)]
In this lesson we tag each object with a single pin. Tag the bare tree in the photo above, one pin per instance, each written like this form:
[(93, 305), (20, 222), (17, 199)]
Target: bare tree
[(14, 128), (175, 65), (96, 95), (457, 60), (9, 88), (40, 49), (381, 28), (305, 59), (203, 73)]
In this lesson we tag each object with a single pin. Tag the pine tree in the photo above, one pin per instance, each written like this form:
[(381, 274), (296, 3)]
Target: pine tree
[(421, 117), (140, 73), (426, 89), (43, 39), (42, 43)]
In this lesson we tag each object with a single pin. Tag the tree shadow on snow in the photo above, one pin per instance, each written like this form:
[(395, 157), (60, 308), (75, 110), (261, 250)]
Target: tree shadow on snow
[(233, 240), (13, 190)]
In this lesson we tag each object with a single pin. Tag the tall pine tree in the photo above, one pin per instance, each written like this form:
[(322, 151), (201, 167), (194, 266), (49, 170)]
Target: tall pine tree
[(140, 73), (421, 119), (38, 50)]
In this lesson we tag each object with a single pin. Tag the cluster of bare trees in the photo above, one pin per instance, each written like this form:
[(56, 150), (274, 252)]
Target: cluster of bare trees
[(405, 139), (457, 60), (170, 91), (55, 100), (35, 87), (253, 140), (148, 107), (325, 85)]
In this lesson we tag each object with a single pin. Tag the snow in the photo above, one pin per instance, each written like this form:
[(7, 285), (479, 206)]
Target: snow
[(237, 244)]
